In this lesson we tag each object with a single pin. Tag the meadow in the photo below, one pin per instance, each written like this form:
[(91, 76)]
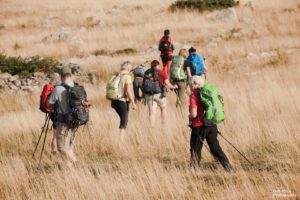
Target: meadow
[(253, 60)]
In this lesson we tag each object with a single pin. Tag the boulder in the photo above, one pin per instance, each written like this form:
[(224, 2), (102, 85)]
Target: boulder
[(13, 78), (17, 83), (62, 36), (228, 14), (5, 76), (249, 5)]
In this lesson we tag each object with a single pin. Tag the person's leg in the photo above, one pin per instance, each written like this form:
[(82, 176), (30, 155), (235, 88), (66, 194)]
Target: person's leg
[(63, 141), (215, 148), (136, 89), (71, 153), (120, 108), (54, 143), (196, 146), (162, 103), (181, 92)]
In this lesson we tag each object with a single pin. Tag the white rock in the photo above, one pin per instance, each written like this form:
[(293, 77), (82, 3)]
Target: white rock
[(228, 14), (249, 4), (5, 76), (13, 78), (252, 56), (17, 82)]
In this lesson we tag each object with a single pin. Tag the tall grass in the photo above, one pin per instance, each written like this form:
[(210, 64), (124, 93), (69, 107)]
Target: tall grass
[(261, 107)]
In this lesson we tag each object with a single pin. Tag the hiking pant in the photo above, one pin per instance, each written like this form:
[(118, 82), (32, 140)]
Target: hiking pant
[(181, 91), (209, 133), (137, 88), (122, 108), (167, 66)]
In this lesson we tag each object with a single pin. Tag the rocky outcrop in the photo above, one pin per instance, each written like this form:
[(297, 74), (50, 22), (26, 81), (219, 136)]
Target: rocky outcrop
[(14, 83)]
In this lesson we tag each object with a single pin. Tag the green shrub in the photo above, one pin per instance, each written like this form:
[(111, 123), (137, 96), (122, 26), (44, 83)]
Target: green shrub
[(202, 5), (27, 66), (127, 51)]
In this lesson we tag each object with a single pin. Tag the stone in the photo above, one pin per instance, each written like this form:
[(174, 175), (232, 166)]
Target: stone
[(5, 76), (39, 75), (17, 83), (249, 4), (3, 26), (12, 87), (228, 14), (2, 83), (252, 56), (13, 78), (62, 36)]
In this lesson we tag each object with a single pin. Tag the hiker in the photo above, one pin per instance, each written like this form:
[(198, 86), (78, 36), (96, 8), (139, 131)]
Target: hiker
[(155, 90), (178, 75), (196, 64), (138, 73), (200, 131), (60, 98), (166, 47), (119, 91)]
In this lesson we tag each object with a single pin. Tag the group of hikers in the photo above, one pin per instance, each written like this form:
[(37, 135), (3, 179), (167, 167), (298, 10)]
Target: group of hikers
[(184, 73)]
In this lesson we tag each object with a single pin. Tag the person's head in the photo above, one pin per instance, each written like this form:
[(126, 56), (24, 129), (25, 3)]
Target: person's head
[(65, 73), (126, 66), (155, 64), (166, 32), (197, 82), (55, 79), (192, 50), (183, 53)]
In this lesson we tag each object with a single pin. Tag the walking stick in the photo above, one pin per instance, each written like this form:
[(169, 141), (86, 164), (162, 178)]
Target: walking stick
[(45, 124), (236, 149), (44, 140)]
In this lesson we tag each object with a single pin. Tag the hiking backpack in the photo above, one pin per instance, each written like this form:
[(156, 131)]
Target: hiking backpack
[(196, 64), (177, 71), (114, 88), (151, 83), (139, 71), (214, 111), (79, 111), (165, 45), (47, 90)]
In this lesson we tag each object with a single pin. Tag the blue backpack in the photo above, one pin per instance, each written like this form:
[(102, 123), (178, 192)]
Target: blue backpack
[(196, 64)]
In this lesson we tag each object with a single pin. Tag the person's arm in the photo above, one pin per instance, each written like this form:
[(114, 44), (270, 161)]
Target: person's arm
[(188, 72), (129, 94), (167, 82), (52, 100), (193, 108)]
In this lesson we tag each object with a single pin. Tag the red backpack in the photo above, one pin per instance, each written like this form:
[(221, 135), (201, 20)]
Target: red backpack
[(47, 90)]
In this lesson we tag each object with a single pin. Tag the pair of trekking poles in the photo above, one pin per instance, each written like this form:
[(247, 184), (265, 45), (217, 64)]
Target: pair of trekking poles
[(179, 104), (45, 129)]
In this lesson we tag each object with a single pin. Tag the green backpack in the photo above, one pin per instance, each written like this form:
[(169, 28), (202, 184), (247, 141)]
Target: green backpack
[(114, 87), (177, 71), (214, 111)]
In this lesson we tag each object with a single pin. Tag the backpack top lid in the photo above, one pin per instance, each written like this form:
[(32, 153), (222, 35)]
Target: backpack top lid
[(46, 92)]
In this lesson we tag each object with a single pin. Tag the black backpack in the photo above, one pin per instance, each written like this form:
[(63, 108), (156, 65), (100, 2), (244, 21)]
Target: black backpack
[(79, 110), (165, 45), (151, 82)]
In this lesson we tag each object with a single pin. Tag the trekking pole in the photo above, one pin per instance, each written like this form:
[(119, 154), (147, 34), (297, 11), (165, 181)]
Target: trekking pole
[(236, 149), (44, 140), (45, 124)]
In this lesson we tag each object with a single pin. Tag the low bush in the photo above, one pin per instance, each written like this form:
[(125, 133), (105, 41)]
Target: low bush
[(103, 52), (202, 5), (27, 66)]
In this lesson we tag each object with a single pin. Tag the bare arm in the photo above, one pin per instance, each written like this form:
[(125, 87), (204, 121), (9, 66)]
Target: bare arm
[(167, 82), (188, 70), (129, 94), (193, 113)]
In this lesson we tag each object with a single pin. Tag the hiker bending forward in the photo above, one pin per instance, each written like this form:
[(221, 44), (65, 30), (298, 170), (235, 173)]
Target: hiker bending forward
[(121, 105), (60, 98), (154, 87), (200, 132)]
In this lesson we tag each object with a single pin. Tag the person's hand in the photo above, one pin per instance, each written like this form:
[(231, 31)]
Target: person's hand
[(175, 87), (134, 106)]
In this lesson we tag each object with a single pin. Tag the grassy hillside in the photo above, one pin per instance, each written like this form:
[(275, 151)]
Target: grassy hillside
[(254, 60)]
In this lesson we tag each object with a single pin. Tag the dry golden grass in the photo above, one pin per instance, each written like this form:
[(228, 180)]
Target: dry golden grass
[(261, 104)]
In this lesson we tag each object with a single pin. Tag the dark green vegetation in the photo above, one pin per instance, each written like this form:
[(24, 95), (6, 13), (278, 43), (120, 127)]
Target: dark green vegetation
[(26, 66), (202, 5), (127, 51)]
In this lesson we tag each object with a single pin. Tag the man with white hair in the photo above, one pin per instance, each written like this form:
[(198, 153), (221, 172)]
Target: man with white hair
[(200, 132)]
